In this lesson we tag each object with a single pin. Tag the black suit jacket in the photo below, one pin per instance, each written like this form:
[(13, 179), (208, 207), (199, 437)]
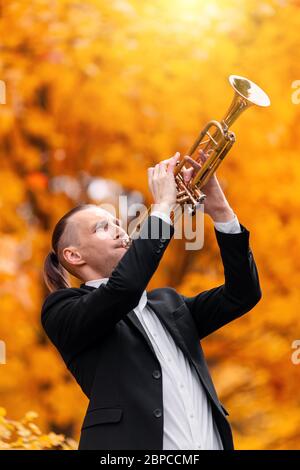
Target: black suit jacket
[(106, 349)]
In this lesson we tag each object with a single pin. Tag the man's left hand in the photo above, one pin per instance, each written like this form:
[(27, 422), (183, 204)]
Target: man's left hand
[(215, 203)]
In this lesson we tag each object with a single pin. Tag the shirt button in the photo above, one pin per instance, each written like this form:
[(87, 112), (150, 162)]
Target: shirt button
[(156, 374), (199, 447), (191, 415), (181, 386), (157, 413), (157, 251), (169, 359)]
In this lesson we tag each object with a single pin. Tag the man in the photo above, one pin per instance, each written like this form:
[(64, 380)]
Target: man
[(136, 354)]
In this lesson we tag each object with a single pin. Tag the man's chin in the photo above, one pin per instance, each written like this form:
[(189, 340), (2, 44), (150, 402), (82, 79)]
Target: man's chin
[(120, 253), (120, 256), (122, 248)]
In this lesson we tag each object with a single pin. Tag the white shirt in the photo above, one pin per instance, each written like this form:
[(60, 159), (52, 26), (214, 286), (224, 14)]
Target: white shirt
[(188, 420)]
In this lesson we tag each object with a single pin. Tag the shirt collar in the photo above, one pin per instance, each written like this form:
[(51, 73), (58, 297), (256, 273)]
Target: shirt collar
[(97, 282)]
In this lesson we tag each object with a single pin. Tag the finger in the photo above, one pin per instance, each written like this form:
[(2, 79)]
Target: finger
[(150, 178), (195, 164), (187, 174), (173, 162), (162, 168), (168, 160), (156, 171)]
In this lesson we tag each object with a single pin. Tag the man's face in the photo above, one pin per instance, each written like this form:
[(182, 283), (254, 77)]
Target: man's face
[(99, 240)]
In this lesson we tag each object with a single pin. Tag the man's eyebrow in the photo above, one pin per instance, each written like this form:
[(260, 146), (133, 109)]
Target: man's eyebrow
[(104, 220), (94, 224)]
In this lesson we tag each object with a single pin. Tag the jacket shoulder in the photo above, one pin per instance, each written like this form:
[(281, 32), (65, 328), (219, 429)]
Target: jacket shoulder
[(166, 294), (163, 291)]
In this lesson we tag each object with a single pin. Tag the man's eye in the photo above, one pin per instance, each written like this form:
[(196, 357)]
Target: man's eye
[(103, 226)]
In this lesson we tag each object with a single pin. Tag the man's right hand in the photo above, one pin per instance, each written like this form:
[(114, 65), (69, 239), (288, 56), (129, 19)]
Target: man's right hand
[(162, 183)]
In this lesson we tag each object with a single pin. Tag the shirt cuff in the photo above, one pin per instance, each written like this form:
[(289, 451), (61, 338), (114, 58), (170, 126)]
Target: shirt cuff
[(162, 216), (232, 226)]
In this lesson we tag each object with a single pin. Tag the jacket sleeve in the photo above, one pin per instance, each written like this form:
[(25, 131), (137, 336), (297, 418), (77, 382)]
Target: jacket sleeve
[(73, 320), (241, 291)]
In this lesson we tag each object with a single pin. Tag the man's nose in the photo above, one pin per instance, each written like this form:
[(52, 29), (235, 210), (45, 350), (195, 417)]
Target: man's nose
[(120, 232)]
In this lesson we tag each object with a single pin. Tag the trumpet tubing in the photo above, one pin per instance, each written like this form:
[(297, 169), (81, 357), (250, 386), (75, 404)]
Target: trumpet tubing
[(216, 140)]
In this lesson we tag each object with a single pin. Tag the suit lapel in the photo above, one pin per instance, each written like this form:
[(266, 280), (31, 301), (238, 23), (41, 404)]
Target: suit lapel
[(185, 338), (167, 318), (184, 332), (133, 319)]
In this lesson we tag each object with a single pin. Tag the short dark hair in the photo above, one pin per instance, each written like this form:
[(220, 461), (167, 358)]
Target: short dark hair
[(55, 275)]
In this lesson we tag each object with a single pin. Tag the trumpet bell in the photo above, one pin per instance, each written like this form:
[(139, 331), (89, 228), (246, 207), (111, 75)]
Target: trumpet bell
[(249, 90)]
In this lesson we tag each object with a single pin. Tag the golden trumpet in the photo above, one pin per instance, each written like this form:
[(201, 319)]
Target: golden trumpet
[(216, 139)]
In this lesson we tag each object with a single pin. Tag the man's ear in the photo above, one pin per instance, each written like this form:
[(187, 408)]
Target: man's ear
[(72, 256)]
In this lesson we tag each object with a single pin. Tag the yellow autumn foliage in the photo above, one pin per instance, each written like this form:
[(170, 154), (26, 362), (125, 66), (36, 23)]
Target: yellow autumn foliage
[(98, 91), (26, 435)]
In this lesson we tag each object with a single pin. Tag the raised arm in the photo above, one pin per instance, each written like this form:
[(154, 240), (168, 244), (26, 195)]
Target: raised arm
[(241, 291), (74, 319)]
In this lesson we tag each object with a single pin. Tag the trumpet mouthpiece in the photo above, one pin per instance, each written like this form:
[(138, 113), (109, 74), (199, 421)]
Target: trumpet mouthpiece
[(126, 242)]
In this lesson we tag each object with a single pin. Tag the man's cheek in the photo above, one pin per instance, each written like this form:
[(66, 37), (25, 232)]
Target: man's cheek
[(101, 235)]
